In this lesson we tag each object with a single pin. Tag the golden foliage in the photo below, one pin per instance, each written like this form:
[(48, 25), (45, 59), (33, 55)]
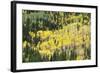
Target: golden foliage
[(51, 41)]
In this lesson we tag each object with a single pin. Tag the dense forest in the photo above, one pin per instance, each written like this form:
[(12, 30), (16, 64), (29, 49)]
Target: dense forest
[(55, 36)]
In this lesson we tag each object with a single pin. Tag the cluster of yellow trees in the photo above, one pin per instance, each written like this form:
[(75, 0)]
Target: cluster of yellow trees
[(72, 41), (61, 40)]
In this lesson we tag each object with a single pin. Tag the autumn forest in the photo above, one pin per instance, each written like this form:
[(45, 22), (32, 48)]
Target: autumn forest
[(55, 36)]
